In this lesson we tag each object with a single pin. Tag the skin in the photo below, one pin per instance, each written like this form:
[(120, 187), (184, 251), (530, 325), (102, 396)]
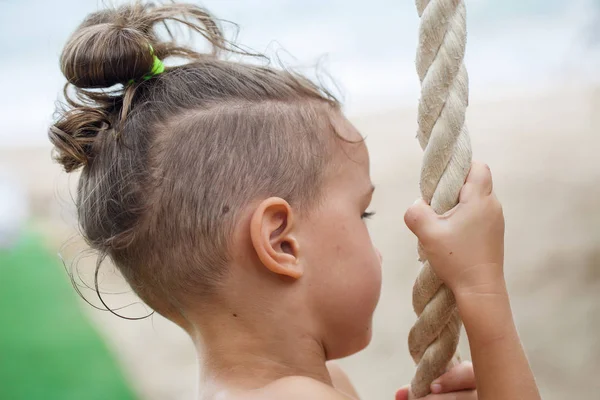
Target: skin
[(302, 287), (466, 248)]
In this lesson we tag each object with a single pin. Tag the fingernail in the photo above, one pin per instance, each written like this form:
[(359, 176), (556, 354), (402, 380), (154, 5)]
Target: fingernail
[(436, 388)]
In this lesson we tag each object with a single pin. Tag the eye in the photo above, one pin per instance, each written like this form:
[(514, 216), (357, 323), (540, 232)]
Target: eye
[(367, 214)]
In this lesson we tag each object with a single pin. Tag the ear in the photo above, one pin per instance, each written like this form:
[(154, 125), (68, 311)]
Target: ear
[(272, 233)]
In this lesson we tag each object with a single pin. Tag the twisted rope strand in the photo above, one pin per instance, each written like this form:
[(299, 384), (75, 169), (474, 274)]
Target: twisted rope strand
[(445, 141)]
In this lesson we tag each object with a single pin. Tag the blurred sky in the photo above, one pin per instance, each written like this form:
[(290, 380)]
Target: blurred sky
[(369, 48)]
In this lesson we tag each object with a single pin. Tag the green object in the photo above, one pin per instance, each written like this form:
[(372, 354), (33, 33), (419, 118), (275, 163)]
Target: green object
[(48, 349), (157, 68)]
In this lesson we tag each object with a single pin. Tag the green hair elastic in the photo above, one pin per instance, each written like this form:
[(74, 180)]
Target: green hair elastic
[(157, 68)]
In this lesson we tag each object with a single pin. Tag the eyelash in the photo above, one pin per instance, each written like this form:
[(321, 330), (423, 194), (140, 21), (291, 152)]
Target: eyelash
[(367, 214)]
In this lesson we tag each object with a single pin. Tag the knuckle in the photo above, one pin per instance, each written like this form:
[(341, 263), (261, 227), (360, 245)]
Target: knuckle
[(408, 215), (466, 190), (411, 218), (433, 233), (479, 166), (476, 164), (495, 207), (487, 175), (417, 221), (499, 209)]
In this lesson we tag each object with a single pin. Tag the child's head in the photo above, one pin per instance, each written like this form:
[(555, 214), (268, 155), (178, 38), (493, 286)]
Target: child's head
[(219, 189)]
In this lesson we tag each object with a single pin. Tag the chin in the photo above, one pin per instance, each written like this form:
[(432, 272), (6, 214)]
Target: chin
[(366, 339), (346, 346)]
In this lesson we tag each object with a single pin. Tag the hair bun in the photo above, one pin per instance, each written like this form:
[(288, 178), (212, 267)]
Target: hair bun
[(115, 46), (107, 49)]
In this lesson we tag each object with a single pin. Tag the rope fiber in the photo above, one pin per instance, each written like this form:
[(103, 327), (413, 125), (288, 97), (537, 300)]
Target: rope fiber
[(447, 157)]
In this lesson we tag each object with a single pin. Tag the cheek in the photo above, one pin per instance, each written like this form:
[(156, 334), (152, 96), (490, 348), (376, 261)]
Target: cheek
[(348, 289), (350, 268), (362, 265), (353, 304), (362, 273)]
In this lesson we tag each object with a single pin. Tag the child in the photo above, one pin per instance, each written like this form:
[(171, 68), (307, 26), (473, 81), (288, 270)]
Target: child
[(231, 197)]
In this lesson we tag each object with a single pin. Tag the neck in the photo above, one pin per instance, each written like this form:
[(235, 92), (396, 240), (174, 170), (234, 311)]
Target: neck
[(240, 353)]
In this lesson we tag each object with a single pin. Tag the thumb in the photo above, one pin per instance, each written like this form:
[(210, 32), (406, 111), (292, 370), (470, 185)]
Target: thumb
[(419, 216), (402, 393)]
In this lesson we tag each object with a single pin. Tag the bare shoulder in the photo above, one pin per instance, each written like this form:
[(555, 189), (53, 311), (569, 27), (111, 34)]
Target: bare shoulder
[(340, 380), (298, 388)]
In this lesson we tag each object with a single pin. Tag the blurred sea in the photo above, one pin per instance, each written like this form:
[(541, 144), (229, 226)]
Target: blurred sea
[(367, 47)]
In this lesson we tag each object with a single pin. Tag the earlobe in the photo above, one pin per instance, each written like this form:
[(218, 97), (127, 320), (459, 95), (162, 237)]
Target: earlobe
[(272, 232)]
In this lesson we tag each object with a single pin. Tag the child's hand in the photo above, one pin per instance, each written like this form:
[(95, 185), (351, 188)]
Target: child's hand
[(465, 246), (456, 384)]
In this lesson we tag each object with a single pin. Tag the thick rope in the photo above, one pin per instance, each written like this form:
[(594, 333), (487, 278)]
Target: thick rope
[(447, 158)]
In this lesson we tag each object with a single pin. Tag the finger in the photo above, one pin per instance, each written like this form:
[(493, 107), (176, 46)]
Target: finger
[(402, 393), (419, 217), (461, 377), (480, 176), (467, 192), (464, 395)]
